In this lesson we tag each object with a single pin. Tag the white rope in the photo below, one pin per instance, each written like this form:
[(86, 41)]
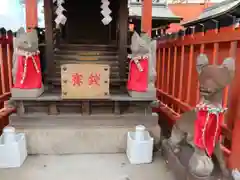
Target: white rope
[(204, 131), (216, 130), (136, 59)]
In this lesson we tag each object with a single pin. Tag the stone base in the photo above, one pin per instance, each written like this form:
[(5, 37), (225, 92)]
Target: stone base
[(178, 163), (148, 94), (58, 136), (27, 93)]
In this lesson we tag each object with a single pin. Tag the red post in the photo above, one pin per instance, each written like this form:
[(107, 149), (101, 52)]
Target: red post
[(233, 115), (31, 14), (147, 16)]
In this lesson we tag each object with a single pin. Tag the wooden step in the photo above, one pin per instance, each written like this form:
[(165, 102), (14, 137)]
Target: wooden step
[(86, 53), (90, 47), (78, 58)]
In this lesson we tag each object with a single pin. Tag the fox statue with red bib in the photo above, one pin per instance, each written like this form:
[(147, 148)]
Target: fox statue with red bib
[(142, 72), (195, 138), (27, 76)]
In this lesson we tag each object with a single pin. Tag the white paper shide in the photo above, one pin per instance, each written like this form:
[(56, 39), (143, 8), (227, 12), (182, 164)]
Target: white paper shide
[(106, 11), (61, 18)]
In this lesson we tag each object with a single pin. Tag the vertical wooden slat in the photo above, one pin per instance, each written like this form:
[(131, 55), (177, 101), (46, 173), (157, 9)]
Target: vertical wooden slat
[(174, 73), (52, 109), (1, 76), (9, 57), (168, 69), (181, 73), (48, 14), (6, 51), (117, 107), (86, 109), (174, 69), (215, 52), (2, 70), (147, 16), (31, 14), (232, 53), (158, 68), (233, 101), (232, 118), (3, 61), (190, 67), (123, 28), (202, 49), (163, 69)]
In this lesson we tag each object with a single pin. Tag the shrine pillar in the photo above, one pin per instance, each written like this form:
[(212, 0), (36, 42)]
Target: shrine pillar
[(31, 14), (147, 16)]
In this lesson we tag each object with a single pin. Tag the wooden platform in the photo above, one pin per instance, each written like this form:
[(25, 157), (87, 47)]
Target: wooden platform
[(47, 96), (53, 104)]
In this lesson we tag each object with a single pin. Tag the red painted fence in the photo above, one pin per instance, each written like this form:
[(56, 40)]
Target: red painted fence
[(6, 54), (177, 81)]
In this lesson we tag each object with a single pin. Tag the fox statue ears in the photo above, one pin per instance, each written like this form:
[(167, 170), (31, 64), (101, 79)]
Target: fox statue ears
[(20, 31), (229, 63), (138, 44), (32, 34)]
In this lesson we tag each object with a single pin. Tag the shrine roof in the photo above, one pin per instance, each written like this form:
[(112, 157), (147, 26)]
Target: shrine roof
[(159, 12), (188, 12), (215, 11)]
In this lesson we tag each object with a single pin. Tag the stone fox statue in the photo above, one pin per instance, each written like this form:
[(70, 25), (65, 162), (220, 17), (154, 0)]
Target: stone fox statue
[(142, 72), (201, 126), (27, 75)]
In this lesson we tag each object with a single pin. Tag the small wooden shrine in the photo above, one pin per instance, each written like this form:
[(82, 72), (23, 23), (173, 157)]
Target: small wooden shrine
[(90, 54)]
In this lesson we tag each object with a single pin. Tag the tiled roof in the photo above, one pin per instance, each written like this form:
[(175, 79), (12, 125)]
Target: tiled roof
[(214, 11), (159, 11), (189, 11)]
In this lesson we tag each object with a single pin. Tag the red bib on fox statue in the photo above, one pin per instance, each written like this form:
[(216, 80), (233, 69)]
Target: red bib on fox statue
[(28, 74), (207, 127), (138, 74)]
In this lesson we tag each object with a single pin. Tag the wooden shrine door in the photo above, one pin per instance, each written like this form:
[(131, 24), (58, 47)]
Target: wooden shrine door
[(84, 22)]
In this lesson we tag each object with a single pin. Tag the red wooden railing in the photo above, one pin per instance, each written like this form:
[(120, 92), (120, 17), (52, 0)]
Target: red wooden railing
[(177, 81), (6, 54)]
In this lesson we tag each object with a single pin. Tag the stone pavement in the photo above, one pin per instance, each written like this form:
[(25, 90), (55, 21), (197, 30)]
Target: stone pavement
[(86, 167)]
